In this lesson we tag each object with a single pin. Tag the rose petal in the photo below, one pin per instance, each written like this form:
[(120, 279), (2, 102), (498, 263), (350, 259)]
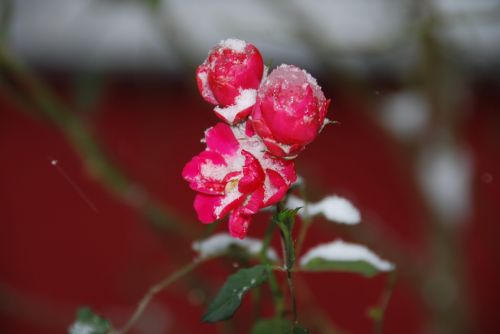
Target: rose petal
[(254, 202), (275, 188), (286, 168), (221, 139), (205, 205), (238, 224), (202, 82), (253, 175), (206, 172)]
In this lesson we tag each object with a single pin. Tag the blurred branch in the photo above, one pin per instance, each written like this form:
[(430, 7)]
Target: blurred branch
[(32, 93), (6, 9), (155, 289), (378, 313)]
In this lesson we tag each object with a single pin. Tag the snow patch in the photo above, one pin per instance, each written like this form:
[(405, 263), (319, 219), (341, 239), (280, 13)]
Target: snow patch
[(245, 100), (81, 328), (220, 243), (237, 45), (333, 208), (339, 250)]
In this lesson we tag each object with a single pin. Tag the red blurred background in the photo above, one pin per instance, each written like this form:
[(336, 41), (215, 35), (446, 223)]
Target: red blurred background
[(99, 112), (58, 253)]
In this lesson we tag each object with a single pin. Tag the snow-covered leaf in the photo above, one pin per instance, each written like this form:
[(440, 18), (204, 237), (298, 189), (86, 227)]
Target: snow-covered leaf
[(333, 208), (230, 296), (87, 322), (222, 243), (344, 256)]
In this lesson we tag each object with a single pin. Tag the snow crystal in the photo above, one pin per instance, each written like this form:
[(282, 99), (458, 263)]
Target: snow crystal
[(220, 243), (333, 208), (245, 100), (339, 250), (237, 45)]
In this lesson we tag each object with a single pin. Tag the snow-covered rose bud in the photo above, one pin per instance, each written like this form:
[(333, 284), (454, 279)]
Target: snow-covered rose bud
[(290, 110), (229, 78)]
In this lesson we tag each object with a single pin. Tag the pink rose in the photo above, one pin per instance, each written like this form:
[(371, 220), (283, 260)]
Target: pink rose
[(229, 78), (235, 176), (290, 110)]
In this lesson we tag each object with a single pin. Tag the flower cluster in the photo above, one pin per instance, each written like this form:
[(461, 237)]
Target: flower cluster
[(248, 161)]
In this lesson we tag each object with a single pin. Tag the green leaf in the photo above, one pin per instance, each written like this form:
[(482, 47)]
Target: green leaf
[(229, 297), (298, 330), (361, 267), (271, 326), (89, 323)]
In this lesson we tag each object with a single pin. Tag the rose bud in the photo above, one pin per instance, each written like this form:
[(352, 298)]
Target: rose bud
[(290, 111), (229, 78)]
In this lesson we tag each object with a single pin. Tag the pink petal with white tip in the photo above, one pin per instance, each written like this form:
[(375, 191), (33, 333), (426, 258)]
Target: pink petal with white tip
[(221, 139), (205, 173)]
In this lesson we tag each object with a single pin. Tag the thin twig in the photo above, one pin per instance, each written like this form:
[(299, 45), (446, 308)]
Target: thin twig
[(273, 283), (384, 301), (154, 290)]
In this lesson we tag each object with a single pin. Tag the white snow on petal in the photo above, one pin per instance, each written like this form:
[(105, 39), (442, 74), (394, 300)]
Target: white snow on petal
[(80, 328), (294, 76), (333, 208), (203, 76), (445, 173), (234, 44), (339, 250), (337, 209), (214, 171), (231, 194), (405, 114), (245, 100), (220, 243)]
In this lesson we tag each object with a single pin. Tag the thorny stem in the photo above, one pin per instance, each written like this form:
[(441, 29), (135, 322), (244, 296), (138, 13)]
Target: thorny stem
[(384, 301), (289, 258), (153, 291), (291, 287), (273, 283)]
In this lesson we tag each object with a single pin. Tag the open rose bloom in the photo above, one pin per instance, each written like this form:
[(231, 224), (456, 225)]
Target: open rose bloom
[(247, 164), (236, 175)]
